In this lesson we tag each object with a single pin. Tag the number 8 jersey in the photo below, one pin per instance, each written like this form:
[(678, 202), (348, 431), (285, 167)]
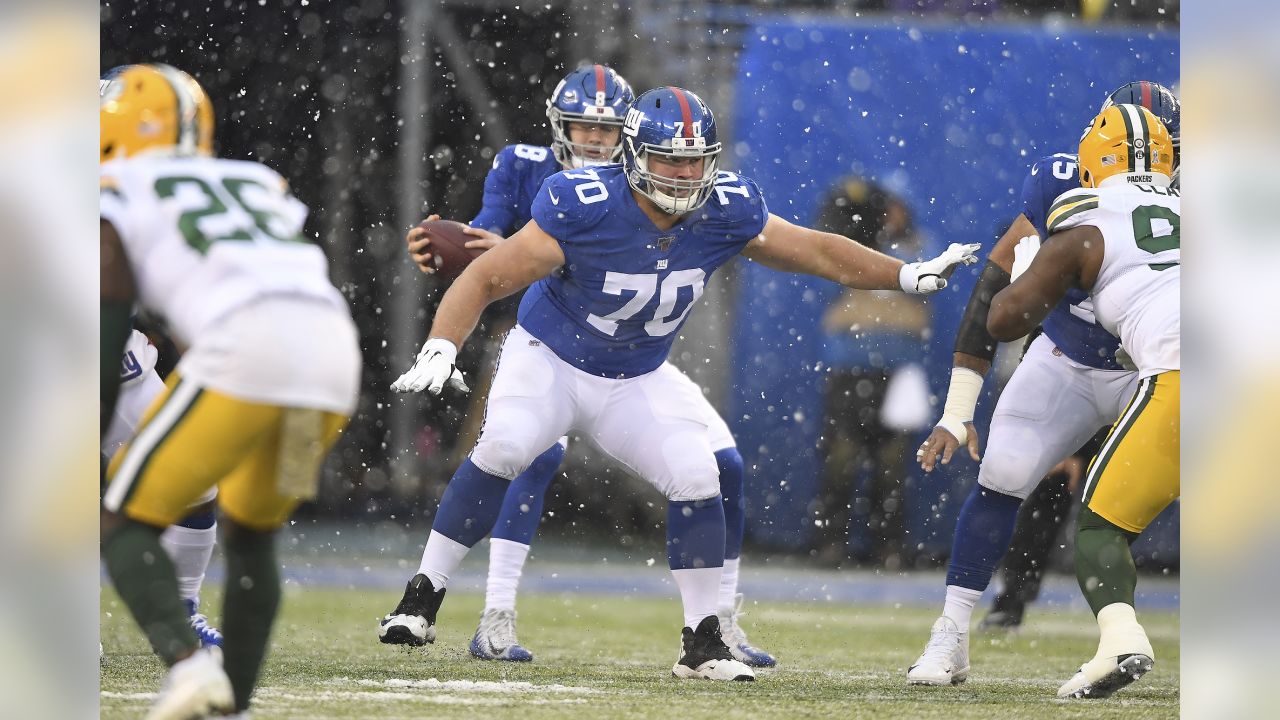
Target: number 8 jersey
[(206, 235), (1136, 294), (626, 287)]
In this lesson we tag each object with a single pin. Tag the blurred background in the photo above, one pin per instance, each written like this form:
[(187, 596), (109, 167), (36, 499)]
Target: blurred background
[(908, 124)]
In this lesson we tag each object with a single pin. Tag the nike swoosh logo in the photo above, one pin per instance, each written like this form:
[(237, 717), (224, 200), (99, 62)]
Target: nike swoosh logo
[(554, 200), (1035, 169)]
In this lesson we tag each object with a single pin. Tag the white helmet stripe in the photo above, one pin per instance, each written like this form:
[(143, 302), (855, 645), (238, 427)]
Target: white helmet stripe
[(1140, 142), (187, 115)]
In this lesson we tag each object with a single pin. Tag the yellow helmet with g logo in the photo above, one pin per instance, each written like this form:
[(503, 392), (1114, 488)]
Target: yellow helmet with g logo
[(153, 108), (1126, 141)]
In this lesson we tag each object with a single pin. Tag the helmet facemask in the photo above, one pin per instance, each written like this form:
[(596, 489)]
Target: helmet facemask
[(574, 155), (675, 197)]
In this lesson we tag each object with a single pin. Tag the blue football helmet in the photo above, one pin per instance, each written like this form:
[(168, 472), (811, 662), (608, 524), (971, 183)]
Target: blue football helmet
[(1155, 97), (592, 94), (672, 122)]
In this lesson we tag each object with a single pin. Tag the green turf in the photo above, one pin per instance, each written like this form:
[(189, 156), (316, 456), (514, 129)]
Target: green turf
[(610, 657)]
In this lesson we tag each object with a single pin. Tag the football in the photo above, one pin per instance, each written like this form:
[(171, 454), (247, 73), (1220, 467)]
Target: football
[(448, 247)]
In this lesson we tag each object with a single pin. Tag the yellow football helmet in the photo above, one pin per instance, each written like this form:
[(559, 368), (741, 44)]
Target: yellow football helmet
[(146, 108), (1126, 140)]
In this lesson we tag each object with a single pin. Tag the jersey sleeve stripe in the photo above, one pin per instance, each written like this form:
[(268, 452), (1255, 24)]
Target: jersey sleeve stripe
[(1070, 200), (1068, 212)]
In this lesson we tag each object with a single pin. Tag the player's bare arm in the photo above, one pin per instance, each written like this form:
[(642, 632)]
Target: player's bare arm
[(1002, 253), (955, 427), (793, 248), (510, 267), (117, 283), (523, 259), (1068, 259)]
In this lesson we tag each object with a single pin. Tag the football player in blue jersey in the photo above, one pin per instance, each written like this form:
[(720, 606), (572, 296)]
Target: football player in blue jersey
[(585, 113), (1068, 385), (616, 257)]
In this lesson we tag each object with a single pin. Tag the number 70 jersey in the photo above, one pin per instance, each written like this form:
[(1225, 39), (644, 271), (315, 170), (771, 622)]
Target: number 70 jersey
[(625, 289), (206, 235)]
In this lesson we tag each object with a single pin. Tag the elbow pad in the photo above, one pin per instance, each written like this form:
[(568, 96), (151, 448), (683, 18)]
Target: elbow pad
[(973, 338)]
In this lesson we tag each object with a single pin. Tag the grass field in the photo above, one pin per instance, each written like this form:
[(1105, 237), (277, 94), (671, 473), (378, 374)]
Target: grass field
[(609, 656)]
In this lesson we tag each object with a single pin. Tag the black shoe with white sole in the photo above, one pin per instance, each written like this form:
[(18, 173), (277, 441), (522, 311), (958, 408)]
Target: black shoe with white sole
[(703, 655), (413, 622)]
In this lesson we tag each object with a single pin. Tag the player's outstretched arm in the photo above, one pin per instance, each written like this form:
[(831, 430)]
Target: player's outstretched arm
[(794, 248), (509, 267), (1070, 258), (975, 349)]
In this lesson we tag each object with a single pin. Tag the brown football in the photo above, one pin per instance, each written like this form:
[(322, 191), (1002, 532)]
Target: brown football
[(448, 247)]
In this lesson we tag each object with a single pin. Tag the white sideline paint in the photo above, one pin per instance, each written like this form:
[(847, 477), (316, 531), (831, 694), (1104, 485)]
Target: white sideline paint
[(467, 685), (268, 696), (272, 695)]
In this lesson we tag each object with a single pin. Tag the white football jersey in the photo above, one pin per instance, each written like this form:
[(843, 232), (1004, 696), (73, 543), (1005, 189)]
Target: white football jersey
[(1136, 295), (205, 236)]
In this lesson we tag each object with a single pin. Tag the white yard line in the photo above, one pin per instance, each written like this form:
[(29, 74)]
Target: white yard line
[(481, 686)]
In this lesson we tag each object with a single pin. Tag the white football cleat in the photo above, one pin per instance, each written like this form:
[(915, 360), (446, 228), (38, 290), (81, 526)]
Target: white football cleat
[(196, 687), (945, 660), (1100, 677), (736, 638), (205, 633), (495, 639), (704, 656)]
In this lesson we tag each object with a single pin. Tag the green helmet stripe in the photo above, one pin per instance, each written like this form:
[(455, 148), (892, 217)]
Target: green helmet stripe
[(1128, 132)]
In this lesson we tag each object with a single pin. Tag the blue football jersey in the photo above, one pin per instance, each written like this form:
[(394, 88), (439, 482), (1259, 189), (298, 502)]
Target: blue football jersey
[(626, 287), (1071, 325), (510, 186)]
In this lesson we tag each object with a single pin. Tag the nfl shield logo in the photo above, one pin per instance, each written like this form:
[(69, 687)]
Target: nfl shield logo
[(664, 242)]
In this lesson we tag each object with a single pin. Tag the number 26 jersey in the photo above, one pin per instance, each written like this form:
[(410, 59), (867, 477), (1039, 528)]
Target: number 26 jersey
[(626, 287), (207, 235)]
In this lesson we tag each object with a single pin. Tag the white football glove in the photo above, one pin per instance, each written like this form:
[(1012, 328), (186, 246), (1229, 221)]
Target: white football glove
[(930, 276), (433, 370), (1023, 253)]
